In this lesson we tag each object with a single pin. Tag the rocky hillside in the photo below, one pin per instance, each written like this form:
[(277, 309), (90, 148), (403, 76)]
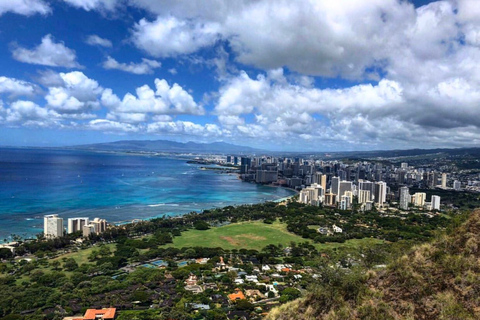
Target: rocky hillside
[(438, 280)]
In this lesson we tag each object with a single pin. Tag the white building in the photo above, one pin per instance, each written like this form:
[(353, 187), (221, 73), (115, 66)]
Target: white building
[(76, 224), (97, 226), (380, 192), (337, 229), (52, 226), (435, 202)]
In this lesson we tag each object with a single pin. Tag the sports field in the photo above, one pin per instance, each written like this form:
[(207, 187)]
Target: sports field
[(255, 235), (246, 235)]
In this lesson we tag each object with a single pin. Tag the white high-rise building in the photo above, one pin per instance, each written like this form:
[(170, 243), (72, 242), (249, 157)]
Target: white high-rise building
[(52, 226), (363, 196), (380, 192), (435, 202), (404, 198), (76, 224)]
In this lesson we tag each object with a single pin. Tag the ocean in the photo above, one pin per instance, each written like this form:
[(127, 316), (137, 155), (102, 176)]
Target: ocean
[(113, 186)]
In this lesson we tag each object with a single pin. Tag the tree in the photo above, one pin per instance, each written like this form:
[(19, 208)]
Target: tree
[(5, 254), (70, 264), (243, 305), (201, 225), (55, 264)]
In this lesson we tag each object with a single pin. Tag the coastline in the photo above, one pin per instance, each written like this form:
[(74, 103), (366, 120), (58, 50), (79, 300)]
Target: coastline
[(120, 188)]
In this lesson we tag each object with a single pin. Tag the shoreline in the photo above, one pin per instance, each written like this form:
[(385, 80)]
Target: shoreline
[(167, 215)]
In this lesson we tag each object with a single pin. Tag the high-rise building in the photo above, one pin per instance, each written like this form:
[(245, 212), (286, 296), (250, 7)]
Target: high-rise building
[(344, 187), (97, 226), (321, 179), (245, 164), (380, 193), (363, 196), (457, 185), (345, 202), (100, 225), (435, 202), (367, 186), (404, 165), (330, 199), (76, 224), (335, 186), (404, 198), (52, 226), (419, 199), (444, 180)]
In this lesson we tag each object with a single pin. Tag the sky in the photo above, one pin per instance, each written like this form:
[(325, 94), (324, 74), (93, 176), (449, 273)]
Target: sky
[(302, 75)]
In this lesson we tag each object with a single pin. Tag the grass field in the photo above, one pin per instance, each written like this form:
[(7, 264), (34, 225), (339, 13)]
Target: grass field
[(254, 235), (247, 235), (81, 256)]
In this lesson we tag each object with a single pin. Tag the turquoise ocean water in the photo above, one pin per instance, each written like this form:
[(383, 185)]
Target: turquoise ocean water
[(116, 187)]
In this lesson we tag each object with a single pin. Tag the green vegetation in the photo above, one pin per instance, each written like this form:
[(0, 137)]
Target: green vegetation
[(437, 280), (121, 267), (246, 235)]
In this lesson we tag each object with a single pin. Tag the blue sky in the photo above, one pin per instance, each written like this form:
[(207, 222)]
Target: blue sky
[(309, 75)]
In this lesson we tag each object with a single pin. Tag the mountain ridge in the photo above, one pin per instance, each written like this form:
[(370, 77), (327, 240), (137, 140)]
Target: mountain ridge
[(169, 146)]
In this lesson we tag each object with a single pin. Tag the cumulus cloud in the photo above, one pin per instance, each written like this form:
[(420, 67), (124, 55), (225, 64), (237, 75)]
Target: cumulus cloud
[(15, 87), (169, 36), (165, 100), (110, 126), (48, 53), (24, 7), (362, 114), (184, 128), (95, 40), (27, 113), (78, 94), (145, 67)]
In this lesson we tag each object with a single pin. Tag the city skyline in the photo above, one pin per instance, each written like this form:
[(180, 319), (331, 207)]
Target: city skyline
[(313, 76)]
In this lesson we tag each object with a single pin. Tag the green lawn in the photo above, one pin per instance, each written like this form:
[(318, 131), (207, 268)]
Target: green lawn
[(254, 235), (247, 235), (81, 256), (352, 244)]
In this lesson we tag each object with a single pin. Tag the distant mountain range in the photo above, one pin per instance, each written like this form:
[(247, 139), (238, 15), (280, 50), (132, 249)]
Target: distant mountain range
[(227, 148), (169, 146)]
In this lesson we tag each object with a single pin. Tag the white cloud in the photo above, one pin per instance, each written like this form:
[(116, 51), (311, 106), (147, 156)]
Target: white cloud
[(78, 94), (15, 87), (128, 117), (49, 78), (111, 126), (169, 36), (165, 100), (145, 67), (48, 53), (27, 113), (388, 112), (184, 128), (24, 7), (89, 5), (95, 40)]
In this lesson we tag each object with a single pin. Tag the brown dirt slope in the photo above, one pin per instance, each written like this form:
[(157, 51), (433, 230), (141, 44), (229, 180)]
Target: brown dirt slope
[(438, 280)]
